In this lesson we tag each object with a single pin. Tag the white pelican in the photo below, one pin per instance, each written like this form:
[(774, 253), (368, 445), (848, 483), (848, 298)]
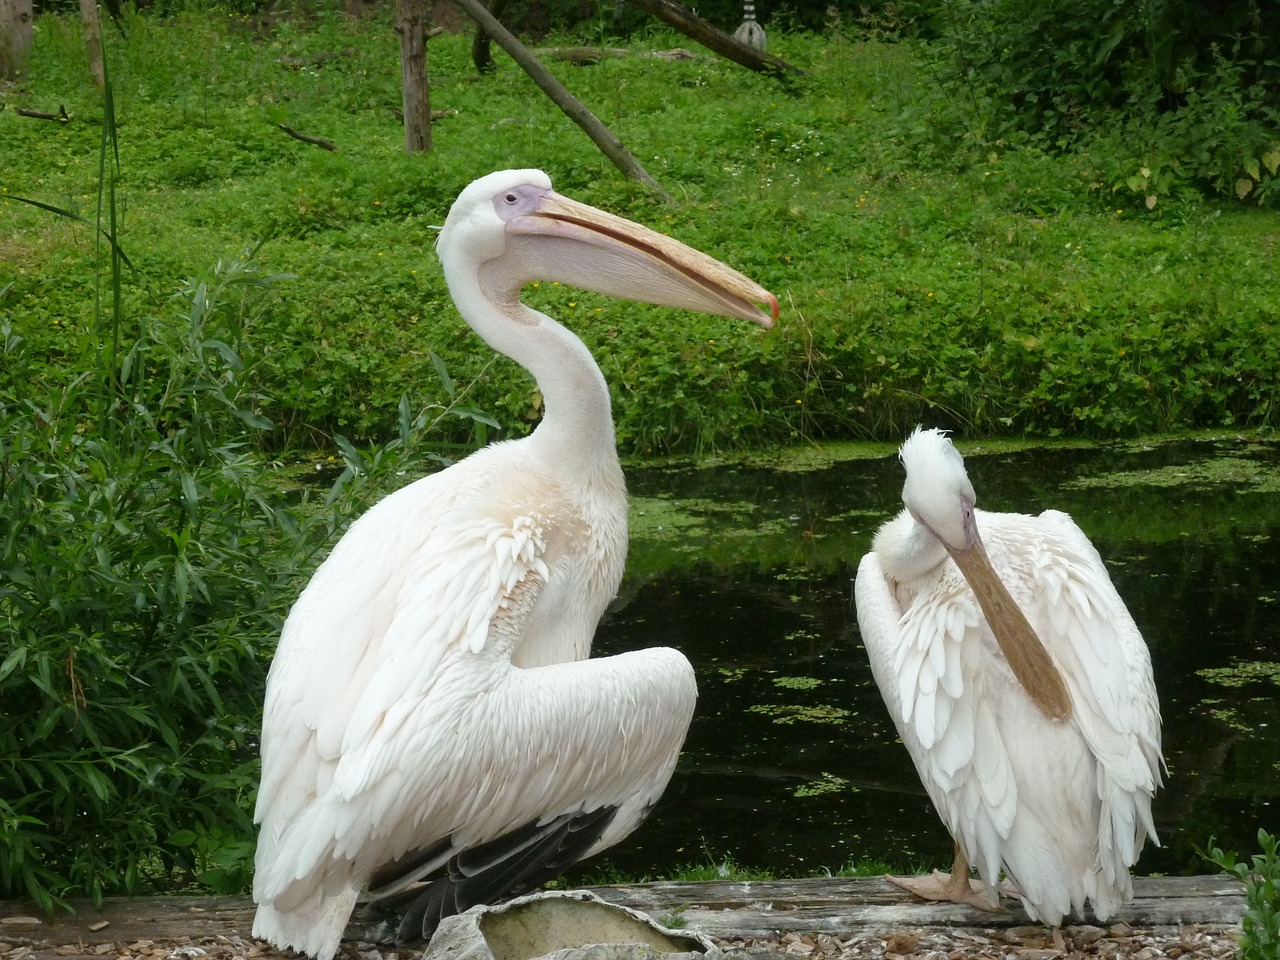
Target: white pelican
[(431, 714), (1021, 688)]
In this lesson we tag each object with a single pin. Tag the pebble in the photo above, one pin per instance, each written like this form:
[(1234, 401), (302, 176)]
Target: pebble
[(1117, 942)]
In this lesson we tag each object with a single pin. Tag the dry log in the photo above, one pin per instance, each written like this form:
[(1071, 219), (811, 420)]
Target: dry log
[(60, 116), (582, 56), (676, 53)]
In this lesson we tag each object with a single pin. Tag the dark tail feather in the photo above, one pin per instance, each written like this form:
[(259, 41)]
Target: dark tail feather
[(508, 866)]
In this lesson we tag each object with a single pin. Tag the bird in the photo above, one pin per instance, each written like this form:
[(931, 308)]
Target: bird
[(750, 32), (434, 730), (1020, 686)]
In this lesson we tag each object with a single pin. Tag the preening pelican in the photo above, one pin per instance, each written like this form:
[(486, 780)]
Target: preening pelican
[(1021, 688), (433, 729)]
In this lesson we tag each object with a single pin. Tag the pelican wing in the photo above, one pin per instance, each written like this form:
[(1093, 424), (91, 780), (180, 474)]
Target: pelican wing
[(396, 723), (365, 629), (923, 644), (1107, 666)]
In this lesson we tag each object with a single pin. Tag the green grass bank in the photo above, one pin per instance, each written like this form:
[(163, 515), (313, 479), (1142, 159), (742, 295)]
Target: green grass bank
[(925, 275)]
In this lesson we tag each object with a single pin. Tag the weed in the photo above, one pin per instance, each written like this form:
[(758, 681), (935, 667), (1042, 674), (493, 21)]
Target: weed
[(1260, 937)]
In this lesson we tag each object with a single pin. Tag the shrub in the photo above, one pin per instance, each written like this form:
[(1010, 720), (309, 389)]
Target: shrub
[(1260, 925), (143, 573), (1161, 94)]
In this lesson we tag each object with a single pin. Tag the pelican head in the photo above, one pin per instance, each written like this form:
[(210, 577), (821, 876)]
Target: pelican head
[(937, 491), (510, 228), (939, 497)]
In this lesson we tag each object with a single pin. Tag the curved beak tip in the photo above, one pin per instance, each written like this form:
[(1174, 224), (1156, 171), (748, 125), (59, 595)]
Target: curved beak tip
[(769, 323)]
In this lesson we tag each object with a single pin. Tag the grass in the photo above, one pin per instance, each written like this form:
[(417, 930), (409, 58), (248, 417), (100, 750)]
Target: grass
[(714, 868), (993, 289)]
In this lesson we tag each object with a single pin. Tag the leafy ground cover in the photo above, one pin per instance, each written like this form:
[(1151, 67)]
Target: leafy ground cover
[(923, 276)]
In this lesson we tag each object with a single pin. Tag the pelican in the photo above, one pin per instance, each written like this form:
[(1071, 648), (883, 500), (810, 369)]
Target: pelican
[(433, 729), (1020, 686)]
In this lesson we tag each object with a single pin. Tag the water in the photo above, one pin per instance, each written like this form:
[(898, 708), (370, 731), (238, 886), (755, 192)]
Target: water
[(792, 763)]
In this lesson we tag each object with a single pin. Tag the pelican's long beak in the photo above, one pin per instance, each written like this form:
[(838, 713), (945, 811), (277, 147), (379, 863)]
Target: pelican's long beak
[(598, 251), (1024, 651)]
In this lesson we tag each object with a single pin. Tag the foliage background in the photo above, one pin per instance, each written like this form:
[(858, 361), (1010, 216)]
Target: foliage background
[(968, 222)]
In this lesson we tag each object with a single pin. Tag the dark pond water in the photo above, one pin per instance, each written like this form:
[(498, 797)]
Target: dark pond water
[(792, 763)]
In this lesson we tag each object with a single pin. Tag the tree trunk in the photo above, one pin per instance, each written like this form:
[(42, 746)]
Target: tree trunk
[(572, 107), (692, 25), (93, 40), (480, 54), (411, 24), (15, 37)]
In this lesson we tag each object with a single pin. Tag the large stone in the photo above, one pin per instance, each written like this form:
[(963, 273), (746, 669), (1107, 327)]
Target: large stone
[(561, 925)]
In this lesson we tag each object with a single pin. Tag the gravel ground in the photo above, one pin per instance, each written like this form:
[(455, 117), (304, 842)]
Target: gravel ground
[(1018, 943)]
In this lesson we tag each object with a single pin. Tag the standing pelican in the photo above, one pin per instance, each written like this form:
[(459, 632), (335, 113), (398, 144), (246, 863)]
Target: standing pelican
[(1021, 688), (433, 728)]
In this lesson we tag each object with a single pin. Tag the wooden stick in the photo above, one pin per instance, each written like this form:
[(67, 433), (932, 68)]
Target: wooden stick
[(318, 141)]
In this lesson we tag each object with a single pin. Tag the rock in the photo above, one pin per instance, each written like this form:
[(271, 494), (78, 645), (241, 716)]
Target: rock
[(564, 925)]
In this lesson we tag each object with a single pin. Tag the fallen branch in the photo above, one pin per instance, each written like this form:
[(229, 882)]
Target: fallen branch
[(582, 56), (571, 106), (675, 53), (692, 25), (589, 56), (318, 141), (60, 116)]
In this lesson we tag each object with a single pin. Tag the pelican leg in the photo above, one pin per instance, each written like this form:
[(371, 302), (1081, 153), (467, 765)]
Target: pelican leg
[(955, 887)]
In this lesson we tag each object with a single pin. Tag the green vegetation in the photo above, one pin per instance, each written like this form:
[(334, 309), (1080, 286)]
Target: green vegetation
[(713, 868), (1260, 937), (930, 266)]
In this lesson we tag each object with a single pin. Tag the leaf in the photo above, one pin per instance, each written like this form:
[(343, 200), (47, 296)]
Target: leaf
[(1151, 201), (74, 216), (252, 418), (1251, 168), (354, 458), (1243, 187), (13, 661), (443, 373), (1272, 161), (190, 494), (405, 419), (98, 783), (224, 350), (479, 416)]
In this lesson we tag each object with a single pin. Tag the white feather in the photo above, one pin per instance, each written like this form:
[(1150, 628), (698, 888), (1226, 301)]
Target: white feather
[(431, 685), (1063, 807)]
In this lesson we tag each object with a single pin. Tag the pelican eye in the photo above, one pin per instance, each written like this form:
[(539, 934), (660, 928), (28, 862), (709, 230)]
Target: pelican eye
[(511, 198)]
